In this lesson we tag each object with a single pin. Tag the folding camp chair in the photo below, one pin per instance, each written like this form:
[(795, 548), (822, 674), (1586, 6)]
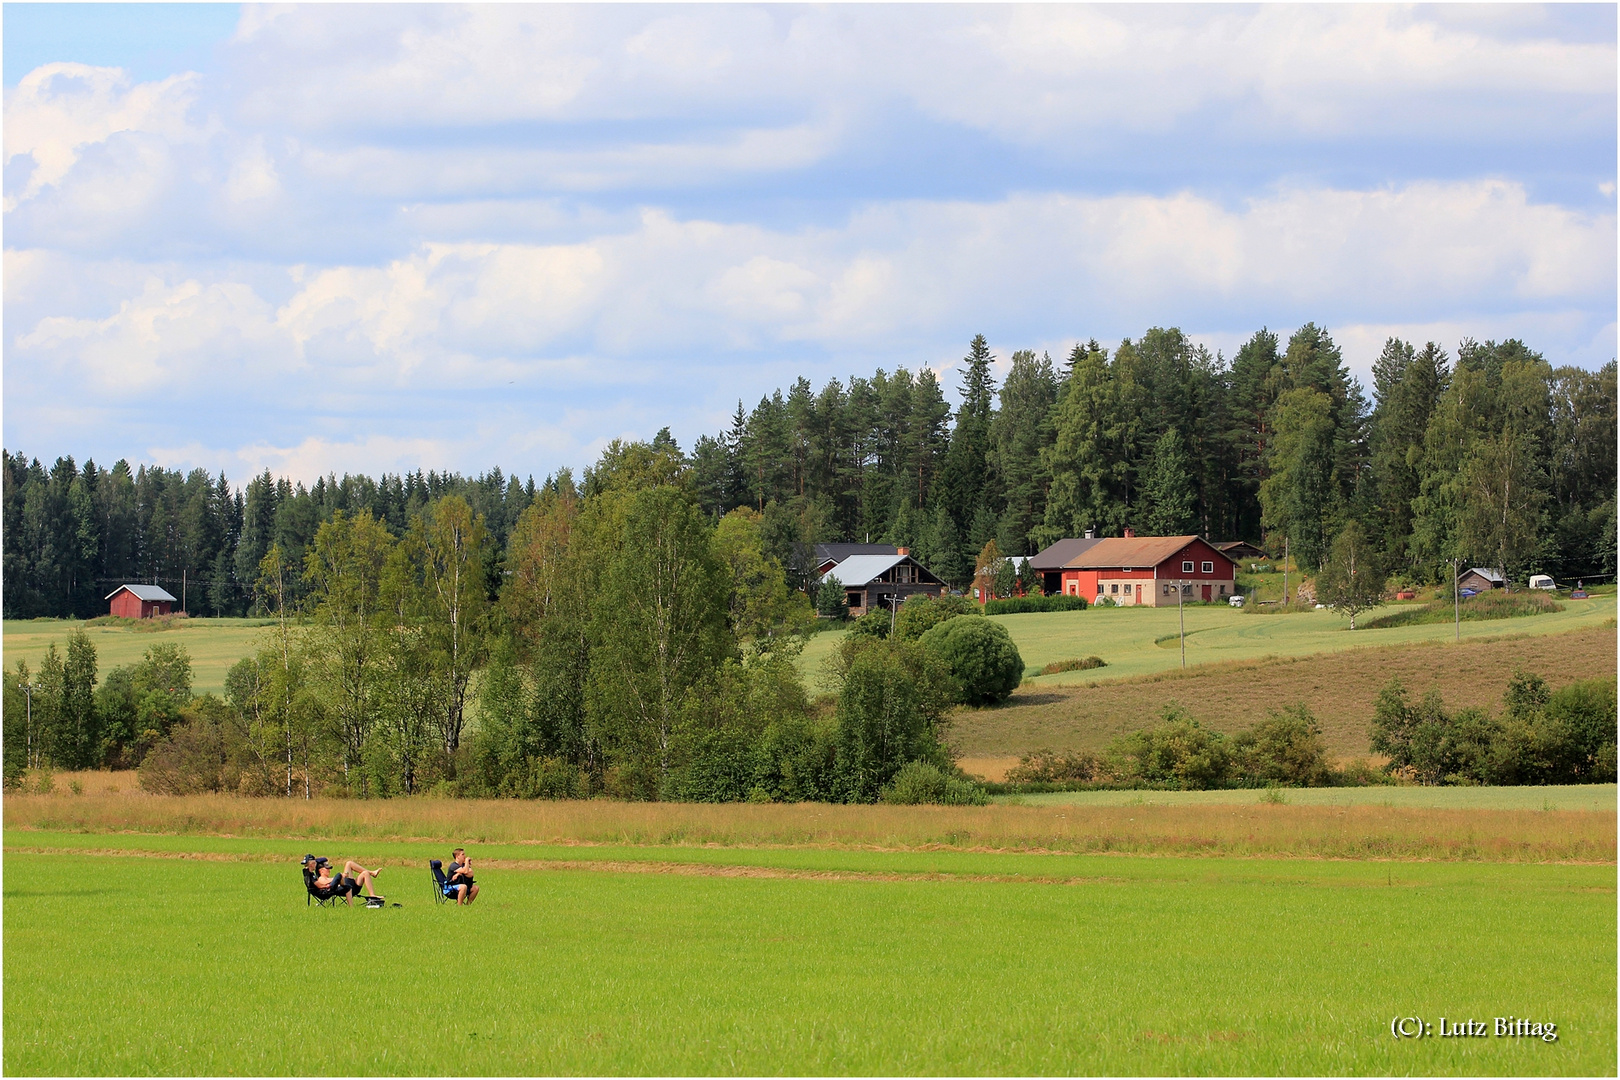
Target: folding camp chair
[(441, 884), (314, 895)]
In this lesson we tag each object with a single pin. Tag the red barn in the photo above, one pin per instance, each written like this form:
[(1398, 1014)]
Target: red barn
[(1147, 570), (140, 601)]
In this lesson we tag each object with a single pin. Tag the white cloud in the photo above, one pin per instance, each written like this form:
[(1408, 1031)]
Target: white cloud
[(57, 110), (175, 338)]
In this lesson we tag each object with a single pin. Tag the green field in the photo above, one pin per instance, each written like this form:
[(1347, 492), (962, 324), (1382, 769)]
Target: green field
[(1140, 641), (1571, 797), (214, 644), (795, 960)]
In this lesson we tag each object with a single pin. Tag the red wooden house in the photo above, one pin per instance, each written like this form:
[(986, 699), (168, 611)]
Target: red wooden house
[(1149, 570), (140, 601)]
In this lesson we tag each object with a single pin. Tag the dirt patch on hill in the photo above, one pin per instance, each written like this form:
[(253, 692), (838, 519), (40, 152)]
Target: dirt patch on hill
[(1340, 689)]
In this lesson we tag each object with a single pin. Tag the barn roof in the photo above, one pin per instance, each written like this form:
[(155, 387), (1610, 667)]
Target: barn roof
[(1142, 551), (142, 592), (1058, 555), (839, 552), (1493, 576)]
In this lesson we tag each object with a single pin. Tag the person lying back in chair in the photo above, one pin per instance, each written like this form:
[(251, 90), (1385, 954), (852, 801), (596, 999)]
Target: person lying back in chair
[(345, 883), (459, 873)]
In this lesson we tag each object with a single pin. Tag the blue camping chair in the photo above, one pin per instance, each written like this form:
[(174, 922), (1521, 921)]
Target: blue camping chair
[(442, 891)]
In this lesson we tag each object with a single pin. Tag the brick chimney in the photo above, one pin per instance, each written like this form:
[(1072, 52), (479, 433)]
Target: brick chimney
[(903, 551), (1130, 533)]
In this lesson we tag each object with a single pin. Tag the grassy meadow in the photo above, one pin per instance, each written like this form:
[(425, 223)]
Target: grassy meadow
[(117, 964), (1146, 641), (1340, 688), (214, 644), (155, 934)]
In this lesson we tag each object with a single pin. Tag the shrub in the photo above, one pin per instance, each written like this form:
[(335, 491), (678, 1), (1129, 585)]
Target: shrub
[(1284, 748), (1178, 751), (1539, 737), (1074, 665), (921, 614), (189, 761), (924, 782), (1045, 767), (874, 625), (831, 599), (890, 699), (980, 656), (1022, 605)]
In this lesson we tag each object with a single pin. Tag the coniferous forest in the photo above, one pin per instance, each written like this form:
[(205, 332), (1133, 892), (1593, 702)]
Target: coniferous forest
[(1491, 456)]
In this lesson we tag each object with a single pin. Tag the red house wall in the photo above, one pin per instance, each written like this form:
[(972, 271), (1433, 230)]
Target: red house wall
[(126, 605), (1168, 570)]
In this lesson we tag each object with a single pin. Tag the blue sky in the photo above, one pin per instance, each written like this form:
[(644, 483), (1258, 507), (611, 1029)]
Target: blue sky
[(373, 238)]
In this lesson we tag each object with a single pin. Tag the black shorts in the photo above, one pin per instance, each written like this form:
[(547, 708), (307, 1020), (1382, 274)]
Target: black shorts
[(460, 881)]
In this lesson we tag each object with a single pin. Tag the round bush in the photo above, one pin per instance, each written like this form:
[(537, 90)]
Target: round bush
[(980, 656)]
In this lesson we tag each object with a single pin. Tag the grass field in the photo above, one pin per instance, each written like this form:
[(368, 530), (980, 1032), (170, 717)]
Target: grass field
[(1143, 641), (1517, 827), (1340, 688), (1572, 797), (214, 644), (820, 962)]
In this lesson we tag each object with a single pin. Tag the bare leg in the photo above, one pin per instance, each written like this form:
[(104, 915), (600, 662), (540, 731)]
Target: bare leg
[(354, 870), (472, 893), (461, 894)]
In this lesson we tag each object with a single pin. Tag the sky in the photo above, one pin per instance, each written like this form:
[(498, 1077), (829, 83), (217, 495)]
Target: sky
[(368, 238)]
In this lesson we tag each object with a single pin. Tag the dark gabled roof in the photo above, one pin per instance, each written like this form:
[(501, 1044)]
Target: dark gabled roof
[(1144, 552), (1239, 547), (1057, 556), (840, 552), (142, 592)]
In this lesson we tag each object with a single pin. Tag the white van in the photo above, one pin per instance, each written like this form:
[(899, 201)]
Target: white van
[(1541, 581)]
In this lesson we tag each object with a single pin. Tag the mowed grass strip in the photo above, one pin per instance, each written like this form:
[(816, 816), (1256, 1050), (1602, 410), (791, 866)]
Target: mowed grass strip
[(1251, 828), (124, 965), (1340, 688)]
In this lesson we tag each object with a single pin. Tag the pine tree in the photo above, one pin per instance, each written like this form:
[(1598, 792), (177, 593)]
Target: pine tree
[(1167, 490)]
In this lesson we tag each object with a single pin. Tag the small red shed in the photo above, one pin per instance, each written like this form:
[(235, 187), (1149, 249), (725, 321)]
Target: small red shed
[(140, 601)]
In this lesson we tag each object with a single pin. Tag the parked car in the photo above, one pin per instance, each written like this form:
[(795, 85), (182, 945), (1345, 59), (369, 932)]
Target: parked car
[(1542, 581)]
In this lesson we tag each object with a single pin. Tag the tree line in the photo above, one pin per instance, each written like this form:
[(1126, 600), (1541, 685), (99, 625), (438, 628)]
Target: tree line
[(73, 534), (1492, 457), (627, 645)]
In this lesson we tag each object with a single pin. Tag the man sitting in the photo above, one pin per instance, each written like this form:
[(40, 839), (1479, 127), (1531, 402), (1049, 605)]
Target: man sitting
[(459, 874)]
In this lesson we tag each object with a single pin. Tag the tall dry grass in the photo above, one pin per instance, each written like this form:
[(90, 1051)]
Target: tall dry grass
[(1256, 830)]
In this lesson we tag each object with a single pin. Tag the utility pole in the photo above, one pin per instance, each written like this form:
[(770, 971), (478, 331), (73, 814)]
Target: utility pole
[(1181, 614), (28, 691), (1456, 600), (1285, 571)]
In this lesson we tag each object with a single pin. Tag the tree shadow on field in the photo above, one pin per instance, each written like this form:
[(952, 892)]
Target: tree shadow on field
[(24, 894)]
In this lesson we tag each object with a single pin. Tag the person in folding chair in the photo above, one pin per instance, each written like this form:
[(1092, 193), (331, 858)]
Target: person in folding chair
[(462, 885), (325, 884)]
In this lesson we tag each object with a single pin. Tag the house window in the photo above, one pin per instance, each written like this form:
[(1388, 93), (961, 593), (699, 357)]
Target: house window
[(1209, 568), (1167, 590), (1223, 590), (1186, 567), (1114, 588)]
